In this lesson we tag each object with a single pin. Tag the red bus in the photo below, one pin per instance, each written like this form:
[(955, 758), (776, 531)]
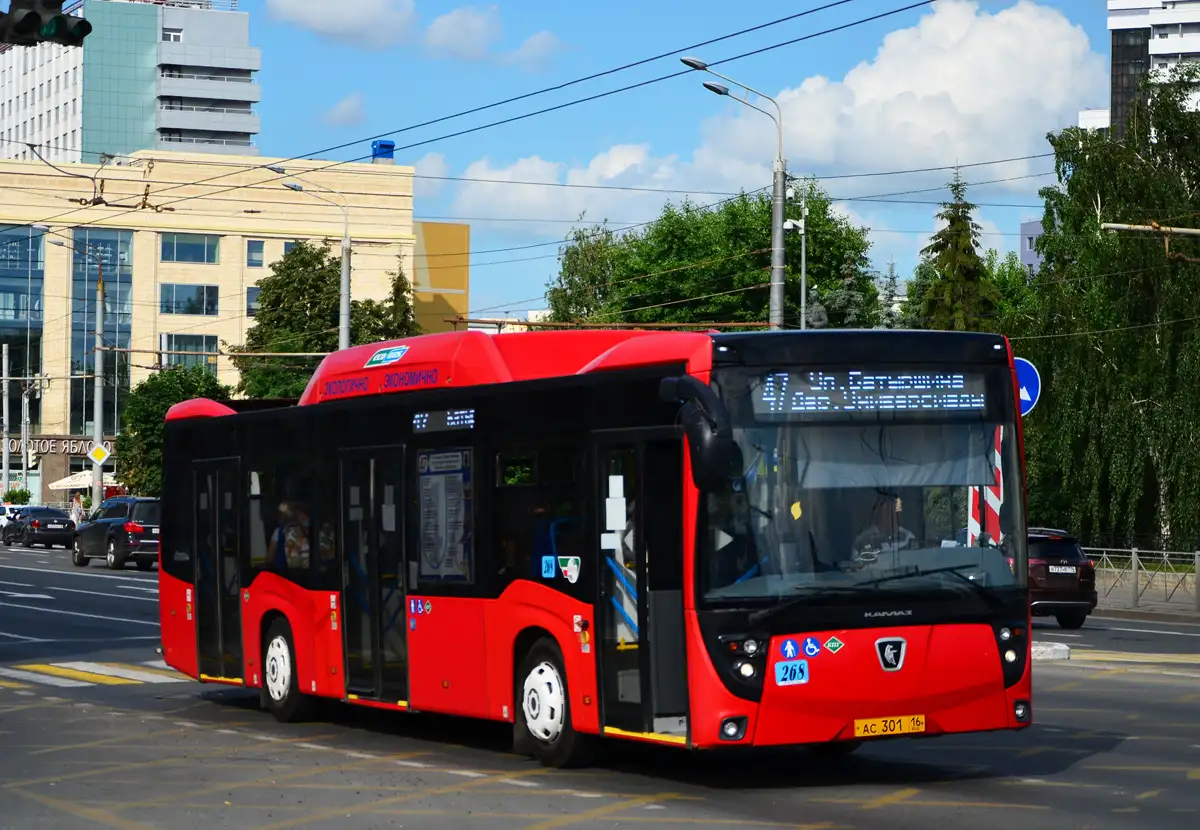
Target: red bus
[(695, 539)]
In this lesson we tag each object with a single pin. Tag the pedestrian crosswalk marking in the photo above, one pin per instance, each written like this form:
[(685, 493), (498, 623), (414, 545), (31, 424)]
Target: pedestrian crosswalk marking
[(47, 680), (76, 674), (83, 673), (138, 675)]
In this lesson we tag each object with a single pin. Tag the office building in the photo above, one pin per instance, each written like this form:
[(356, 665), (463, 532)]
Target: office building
[(1146, 35), (180, 268), (1030, 258), (153, 74)]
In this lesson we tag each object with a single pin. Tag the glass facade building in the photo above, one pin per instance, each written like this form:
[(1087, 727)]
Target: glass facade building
[(107, 253), (22, 277)]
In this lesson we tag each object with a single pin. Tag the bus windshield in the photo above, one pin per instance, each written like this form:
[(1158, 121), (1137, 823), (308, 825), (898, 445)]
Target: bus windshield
[(854, 482)]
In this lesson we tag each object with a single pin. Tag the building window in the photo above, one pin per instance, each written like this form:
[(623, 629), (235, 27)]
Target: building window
[(172, 35), (288, 246), (193, 344), (190, 247), (188, 299), (1029, 243), (252, 301), (254, 253)]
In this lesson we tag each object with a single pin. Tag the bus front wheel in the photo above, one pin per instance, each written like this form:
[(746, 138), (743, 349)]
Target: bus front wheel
[(543, 716), (280, 686)]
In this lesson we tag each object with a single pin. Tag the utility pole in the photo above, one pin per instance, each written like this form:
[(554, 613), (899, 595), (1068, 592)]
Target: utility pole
[(98, 400), (344, 303), (6, 387), (778, 260), (804, 258), (25, 437)]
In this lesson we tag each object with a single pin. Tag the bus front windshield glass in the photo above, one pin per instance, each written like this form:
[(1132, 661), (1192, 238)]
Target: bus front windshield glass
[(858, 481)]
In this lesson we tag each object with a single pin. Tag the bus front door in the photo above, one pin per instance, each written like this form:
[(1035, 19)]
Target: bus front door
[(216, 503), (373, 581), (640, 626)]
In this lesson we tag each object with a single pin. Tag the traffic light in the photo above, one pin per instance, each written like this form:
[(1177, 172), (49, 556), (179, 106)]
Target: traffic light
[(30, 22)]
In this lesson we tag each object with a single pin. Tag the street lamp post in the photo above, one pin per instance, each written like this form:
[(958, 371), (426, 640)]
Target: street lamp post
[(778, 185), (344, 304)]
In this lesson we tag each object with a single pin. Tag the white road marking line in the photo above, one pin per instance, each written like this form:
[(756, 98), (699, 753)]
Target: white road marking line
[(158, 664), (138, 588), (588, 795), (43, 679), (55, 699), (100, 594), (466, 773), (366, 756), (119, 671), (228, 731), (87, 574), (312, 746), (413, 764), (517, 782), (21, 637), (265, 738), (24, 694), (78, 614), (186, 723), (1153, 631), (17, 584), (654, 807)]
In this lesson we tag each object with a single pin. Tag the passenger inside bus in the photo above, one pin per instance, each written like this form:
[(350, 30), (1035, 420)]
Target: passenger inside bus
[(289, 545)]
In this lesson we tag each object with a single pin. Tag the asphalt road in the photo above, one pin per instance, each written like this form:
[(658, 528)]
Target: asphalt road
[(96, 734)]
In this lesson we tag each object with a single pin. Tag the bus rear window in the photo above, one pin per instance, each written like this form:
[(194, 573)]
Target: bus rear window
[(1055, 549)]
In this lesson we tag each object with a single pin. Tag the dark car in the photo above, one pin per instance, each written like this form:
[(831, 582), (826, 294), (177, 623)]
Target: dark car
[(1062, 580), (122, 529), (47, 526)]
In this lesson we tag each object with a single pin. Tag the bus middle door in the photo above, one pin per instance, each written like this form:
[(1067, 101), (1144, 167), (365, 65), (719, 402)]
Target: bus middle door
[(640, 622), (373, 595)]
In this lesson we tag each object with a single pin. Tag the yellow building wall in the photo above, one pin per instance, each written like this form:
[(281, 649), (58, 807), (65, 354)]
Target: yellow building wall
[(441, 274), (237, 199)]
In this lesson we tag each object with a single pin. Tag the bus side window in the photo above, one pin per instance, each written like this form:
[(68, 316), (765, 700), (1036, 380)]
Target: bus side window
[(536, 513)]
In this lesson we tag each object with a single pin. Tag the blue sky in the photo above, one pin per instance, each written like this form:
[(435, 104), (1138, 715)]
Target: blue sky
[(953, 82)]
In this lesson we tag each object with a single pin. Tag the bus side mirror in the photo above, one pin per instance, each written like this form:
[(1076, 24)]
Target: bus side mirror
[(715, 456)]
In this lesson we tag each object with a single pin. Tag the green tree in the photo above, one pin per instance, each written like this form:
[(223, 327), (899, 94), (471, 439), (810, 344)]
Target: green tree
[(962, 298), (706, 264), (924, 276), (888, 288), (140, 444), (1012, 282), (853, 301), (1110, 321), (298, 312), (17, 496)]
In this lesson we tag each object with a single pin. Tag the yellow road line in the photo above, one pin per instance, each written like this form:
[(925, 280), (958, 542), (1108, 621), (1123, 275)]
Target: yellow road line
[(75, 674), (1149, 794), (12, 684), (80, 811), (890, 799), (598, 812), (171, 673)]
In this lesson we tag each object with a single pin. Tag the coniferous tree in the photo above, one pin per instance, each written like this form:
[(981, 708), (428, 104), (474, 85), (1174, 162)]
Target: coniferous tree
[(962, 296)]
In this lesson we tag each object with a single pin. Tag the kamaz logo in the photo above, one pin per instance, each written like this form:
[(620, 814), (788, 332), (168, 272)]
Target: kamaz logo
[(386, 357), (872, 614)]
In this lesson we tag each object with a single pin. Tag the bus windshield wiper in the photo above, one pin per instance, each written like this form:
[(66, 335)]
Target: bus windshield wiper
[(808, 593), (953, 570)]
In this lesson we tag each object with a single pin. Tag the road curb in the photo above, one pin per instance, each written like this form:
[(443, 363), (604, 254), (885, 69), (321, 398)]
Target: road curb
[(1147, 616), (1051, 651)]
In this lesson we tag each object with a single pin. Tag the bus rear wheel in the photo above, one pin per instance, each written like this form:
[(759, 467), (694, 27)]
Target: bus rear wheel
[(543, 716), (280, 692)]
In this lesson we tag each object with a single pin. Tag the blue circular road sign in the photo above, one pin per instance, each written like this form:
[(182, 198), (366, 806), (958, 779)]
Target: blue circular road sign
[(1029, 385)]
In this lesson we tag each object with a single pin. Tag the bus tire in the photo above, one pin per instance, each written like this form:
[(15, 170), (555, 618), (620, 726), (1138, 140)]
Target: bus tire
[(281, 686), (543, 718)]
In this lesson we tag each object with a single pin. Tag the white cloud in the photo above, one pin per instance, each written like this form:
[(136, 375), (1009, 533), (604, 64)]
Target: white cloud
[(466, 34), (347, 112), (471, 33), (535, 52), (374, 24), (430, 164), (962, 85)]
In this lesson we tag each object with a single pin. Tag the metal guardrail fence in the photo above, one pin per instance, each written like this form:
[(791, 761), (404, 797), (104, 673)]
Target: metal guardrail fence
[(1153, 580)]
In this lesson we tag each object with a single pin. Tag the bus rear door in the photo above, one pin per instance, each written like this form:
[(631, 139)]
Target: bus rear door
[(640, 623), (373, 581), (216, 503)]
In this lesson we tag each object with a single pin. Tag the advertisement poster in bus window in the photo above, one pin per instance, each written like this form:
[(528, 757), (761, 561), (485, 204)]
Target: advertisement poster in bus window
[(446, 512)]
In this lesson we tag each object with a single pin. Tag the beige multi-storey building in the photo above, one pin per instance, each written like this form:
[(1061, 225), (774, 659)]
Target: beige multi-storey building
[(181, 241)]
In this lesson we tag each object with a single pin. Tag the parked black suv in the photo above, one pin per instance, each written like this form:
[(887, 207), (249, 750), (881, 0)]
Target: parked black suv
[(1062, 580), (123, 528)]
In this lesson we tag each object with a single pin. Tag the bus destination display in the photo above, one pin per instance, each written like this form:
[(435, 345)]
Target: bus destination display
[(444, 421), (781, 394)]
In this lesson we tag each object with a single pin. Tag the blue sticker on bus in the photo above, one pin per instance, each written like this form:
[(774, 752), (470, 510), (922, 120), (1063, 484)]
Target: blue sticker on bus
[(789, 649), (791, 672), (812, 647), (549, 567)]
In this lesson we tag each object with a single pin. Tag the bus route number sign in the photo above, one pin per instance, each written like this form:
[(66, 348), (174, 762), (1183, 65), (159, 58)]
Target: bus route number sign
[(791, 672)]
